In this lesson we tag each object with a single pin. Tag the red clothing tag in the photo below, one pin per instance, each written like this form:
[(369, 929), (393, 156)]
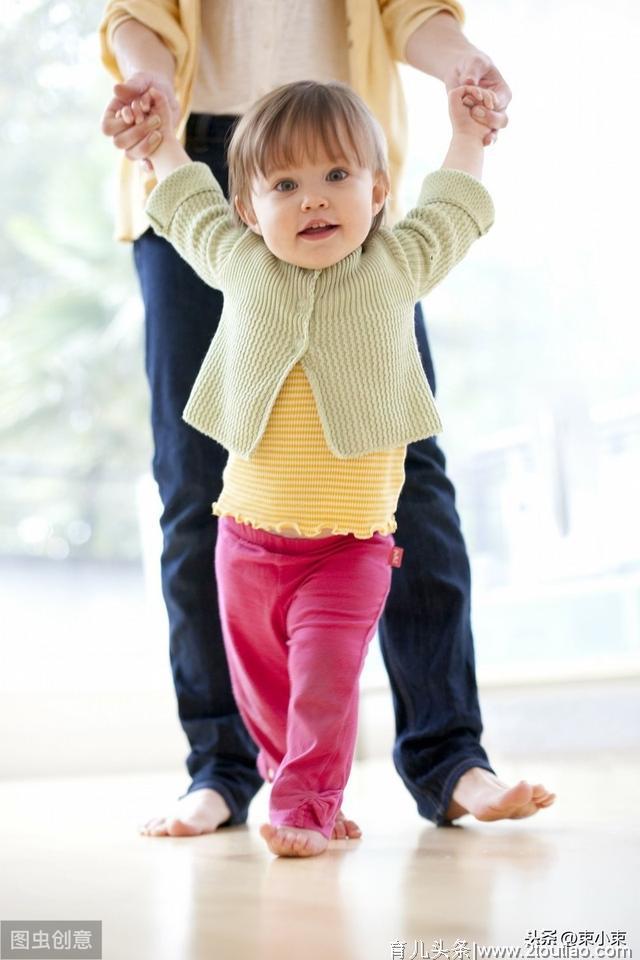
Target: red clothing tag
[(395, 557)]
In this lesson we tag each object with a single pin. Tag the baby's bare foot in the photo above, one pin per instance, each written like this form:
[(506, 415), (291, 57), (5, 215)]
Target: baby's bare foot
[(344, 829), (293, 841), (201, 811), (485, 797)]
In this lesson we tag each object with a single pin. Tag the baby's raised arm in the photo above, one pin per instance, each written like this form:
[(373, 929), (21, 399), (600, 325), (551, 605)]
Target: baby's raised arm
[(453, 209), (190, 210)]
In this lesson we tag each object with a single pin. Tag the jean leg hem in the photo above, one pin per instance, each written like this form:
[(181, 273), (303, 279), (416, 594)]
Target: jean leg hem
[(238, 814)]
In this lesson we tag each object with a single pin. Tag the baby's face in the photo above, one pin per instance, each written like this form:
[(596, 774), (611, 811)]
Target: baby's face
[(317, 213)]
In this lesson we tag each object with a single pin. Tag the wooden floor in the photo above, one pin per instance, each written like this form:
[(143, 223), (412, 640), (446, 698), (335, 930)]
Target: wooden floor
[(69, 851)]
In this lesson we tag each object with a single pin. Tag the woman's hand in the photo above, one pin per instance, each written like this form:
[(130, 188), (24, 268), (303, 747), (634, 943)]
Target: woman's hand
[(129, 119), (475, 68), (464, 102), (159, 145)]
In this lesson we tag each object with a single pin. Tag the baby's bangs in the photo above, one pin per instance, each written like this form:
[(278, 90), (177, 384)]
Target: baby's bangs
[(298, 123), (310, 127)]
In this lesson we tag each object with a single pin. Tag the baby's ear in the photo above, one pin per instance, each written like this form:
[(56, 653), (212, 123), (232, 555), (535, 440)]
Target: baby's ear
[(247, 215), (381, 190)]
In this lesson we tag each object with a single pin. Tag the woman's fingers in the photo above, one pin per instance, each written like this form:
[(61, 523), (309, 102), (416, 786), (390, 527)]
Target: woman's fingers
[(139, 113), (484, 107), (483, 103), (145, 147), (479, 95), (132, 135), (126, 92), (119, 123), (494, 119)]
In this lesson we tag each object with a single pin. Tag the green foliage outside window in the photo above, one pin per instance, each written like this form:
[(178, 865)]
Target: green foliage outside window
[(74, 433)]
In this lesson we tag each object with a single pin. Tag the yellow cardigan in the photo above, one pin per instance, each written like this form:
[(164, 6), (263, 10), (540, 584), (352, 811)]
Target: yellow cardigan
[(378, 34)]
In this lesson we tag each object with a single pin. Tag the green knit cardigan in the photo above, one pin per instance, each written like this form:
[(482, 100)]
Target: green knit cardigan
[(350, 325)]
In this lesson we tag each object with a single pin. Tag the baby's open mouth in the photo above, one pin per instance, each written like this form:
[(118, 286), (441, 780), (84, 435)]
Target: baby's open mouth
[(317, 231)]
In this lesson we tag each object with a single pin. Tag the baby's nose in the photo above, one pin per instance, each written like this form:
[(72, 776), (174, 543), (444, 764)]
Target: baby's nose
[(314, 203)]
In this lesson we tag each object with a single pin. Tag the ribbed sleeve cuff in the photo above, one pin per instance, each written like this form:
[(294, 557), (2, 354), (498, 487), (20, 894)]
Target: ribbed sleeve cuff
[(463, 190), (184, 183)]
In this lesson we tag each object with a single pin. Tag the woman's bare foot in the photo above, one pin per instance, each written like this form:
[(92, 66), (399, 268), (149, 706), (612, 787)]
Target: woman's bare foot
[(201, 811), (480, 793), (293, 841), (344, 829)]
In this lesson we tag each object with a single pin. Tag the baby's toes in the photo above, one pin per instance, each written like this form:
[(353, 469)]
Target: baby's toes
[(301, 843)]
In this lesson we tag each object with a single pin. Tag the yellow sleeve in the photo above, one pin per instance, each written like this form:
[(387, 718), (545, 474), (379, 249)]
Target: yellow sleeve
[(161, 16), (401, 18)]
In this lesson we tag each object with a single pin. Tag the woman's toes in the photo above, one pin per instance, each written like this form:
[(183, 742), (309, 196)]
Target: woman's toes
[(339, 830), (345, 829), (353, 830), (546, 801), (147, 828)]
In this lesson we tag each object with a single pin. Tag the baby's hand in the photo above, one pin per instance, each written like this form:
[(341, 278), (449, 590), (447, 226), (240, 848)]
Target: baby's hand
[(461, 101)]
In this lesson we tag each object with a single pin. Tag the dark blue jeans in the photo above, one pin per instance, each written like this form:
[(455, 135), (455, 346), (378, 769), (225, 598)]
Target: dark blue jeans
[(425, 631)]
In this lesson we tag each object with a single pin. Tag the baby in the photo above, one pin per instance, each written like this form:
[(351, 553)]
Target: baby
[(313, 383)]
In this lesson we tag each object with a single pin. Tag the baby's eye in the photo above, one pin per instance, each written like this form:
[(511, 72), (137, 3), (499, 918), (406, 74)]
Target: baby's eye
[(285, 186), (337, 175)]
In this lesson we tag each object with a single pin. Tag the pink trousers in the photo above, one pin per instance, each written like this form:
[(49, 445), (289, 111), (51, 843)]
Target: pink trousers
[(297, 617)]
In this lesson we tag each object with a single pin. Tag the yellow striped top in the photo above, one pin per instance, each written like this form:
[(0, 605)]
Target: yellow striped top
[(294, 485)]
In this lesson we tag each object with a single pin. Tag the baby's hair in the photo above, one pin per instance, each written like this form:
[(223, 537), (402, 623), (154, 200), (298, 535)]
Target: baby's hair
[(296, 122)]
